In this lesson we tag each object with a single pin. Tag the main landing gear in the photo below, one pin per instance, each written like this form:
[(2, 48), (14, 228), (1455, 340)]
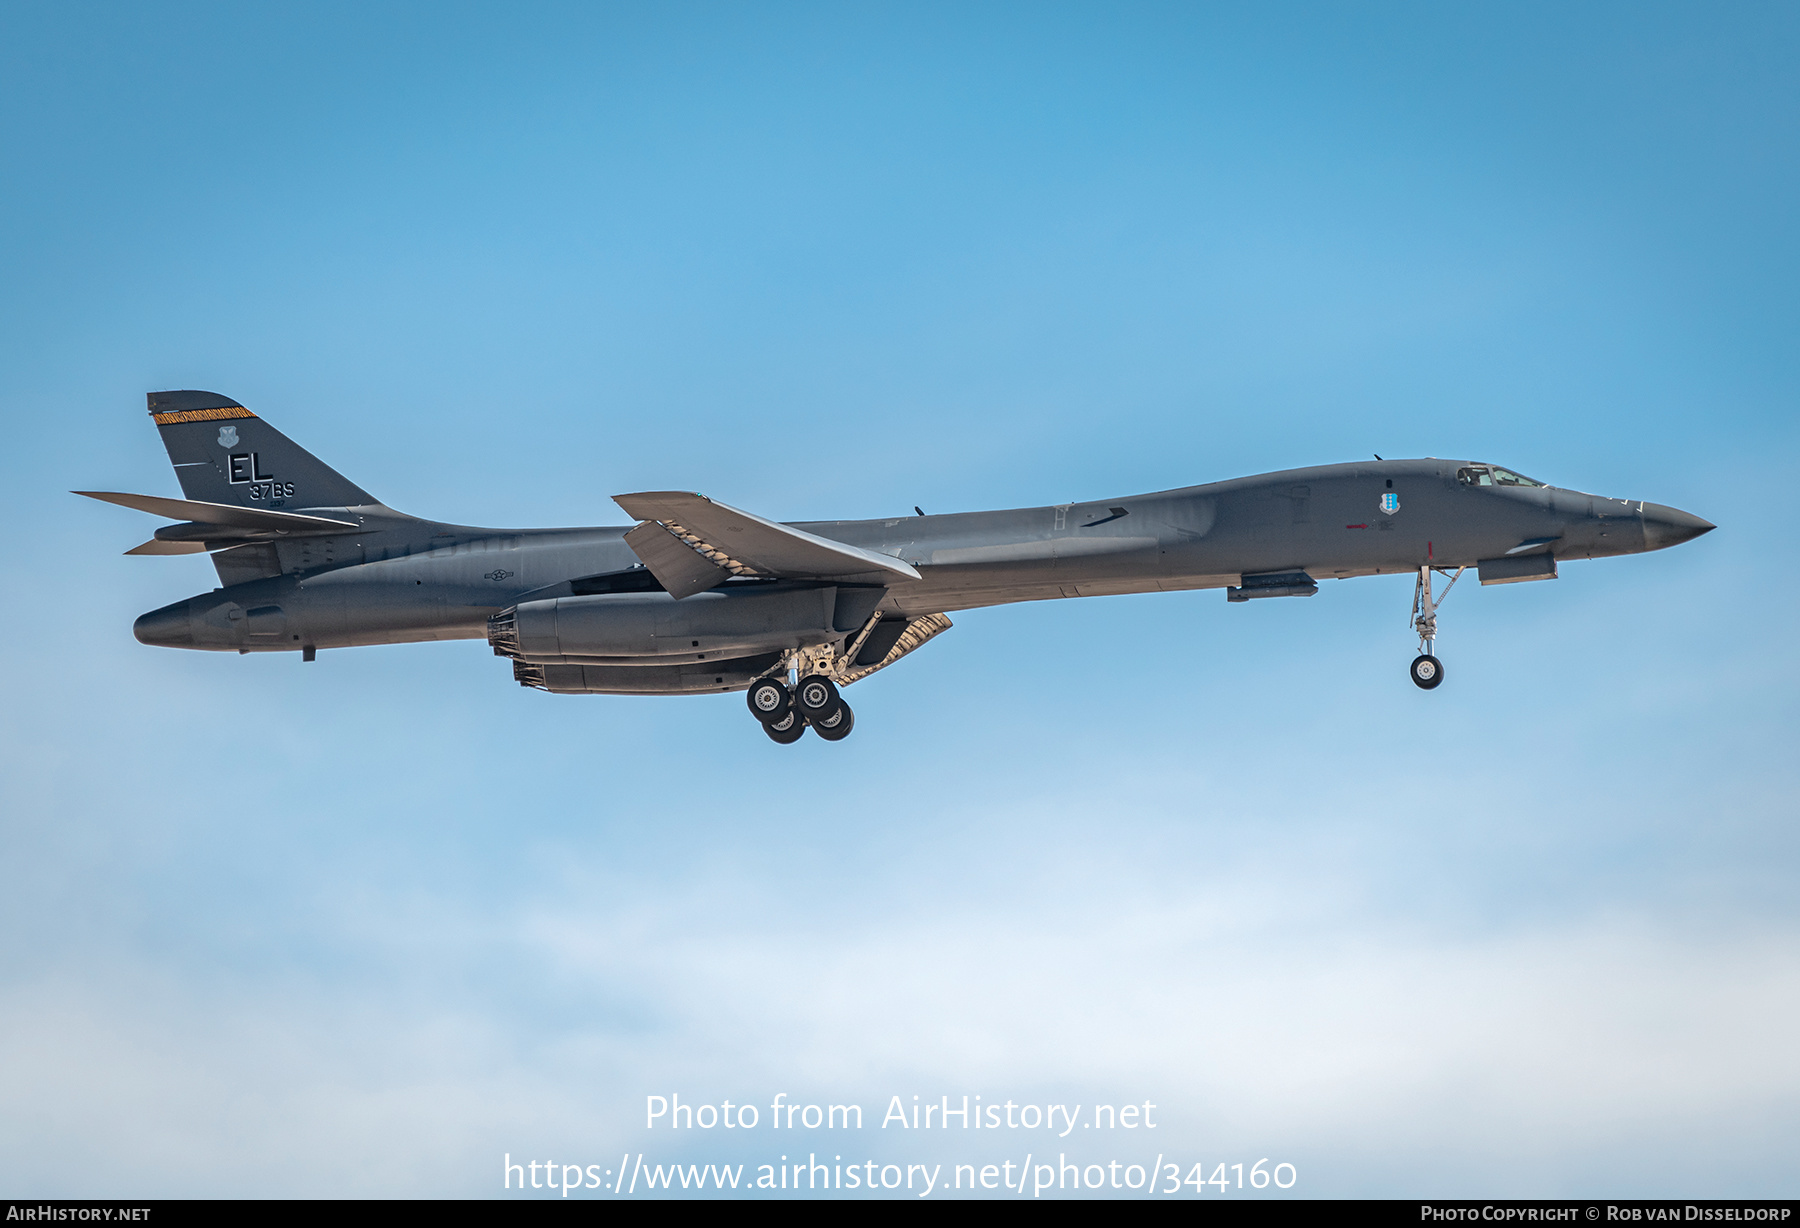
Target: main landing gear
[(786, 714), (1427, 670)]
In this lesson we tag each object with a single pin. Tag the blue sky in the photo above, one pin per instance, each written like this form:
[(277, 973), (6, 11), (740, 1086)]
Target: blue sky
[(365, 925)]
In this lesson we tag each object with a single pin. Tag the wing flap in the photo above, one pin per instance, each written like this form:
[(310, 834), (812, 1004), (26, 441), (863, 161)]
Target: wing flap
[(747, 544), (677, 566)]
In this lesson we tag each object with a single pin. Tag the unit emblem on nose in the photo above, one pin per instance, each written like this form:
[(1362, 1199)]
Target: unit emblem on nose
[(228, 437), (1390, 503)]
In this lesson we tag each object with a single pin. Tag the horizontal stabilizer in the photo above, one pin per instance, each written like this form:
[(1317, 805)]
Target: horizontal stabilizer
[(157, 546), (746, 544), (222, 513)]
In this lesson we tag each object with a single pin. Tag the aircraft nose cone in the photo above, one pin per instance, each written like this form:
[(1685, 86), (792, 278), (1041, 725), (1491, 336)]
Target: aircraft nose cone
[(168, 627), (1668, 526)]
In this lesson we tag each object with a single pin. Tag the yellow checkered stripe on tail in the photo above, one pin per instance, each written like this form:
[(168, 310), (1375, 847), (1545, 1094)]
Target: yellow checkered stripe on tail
[(202, 415)]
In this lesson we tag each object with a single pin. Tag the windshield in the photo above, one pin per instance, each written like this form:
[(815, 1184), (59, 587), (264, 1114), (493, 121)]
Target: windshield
[(1492, 475)]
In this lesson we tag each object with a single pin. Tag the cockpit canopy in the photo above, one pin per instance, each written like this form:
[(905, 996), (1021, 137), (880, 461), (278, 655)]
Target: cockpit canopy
[(1492, 475)]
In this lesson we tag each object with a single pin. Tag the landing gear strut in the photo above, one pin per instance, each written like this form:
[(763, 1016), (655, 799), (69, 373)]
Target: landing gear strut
[(1427, 670)]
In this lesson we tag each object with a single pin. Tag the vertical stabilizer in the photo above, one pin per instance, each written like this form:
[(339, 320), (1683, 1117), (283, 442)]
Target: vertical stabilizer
[(223, 453)]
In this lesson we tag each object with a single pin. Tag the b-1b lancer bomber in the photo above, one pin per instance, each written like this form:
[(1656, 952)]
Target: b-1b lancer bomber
[(697, 597)]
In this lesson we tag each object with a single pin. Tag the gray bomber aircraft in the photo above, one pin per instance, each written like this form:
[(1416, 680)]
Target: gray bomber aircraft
[(699, 597)]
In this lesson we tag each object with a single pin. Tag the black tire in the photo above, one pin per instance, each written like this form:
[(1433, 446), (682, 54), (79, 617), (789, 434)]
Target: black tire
[(1427, 671), (838, 726), (768, 699), (816, 698), (788, 730)]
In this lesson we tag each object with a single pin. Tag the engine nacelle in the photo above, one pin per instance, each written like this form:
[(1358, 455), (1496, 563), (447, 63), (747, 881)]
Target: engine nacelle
[(695, 678), (654, 628)]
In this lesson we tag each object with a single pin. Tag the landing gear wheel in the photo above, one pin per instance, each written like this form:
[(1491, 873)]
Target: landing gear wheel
[(1427, 671), (838, 727), (816, 697), (769, 700), (788, 730)]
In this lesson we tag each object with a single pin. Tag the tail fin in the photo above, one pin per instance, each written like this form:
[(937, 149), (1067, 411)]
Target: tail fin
[(223, 453)]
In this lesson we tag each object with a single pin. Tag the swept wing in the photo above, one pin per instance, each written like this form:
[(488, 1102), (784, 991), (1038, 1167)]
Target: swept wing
[(692, 543)]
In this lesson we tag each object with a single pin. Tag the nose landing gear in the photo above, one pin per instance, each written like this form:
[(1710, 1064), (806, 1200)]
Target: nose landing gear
[(1427, 671)]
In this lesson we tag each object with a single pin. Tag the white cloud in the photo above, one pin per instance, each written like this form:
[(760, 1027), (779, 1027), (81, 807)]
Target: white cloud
[(1266, 1015)]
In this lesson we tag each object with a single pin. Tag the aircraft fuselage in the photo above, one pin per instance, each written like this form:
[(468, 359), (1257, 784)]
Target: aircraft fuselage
[(402, 580)]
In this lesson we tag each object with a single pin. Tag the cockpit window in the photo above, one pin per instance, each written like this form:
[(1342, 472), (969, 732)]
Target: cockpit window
[(1504, 477), (1492, 475)]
